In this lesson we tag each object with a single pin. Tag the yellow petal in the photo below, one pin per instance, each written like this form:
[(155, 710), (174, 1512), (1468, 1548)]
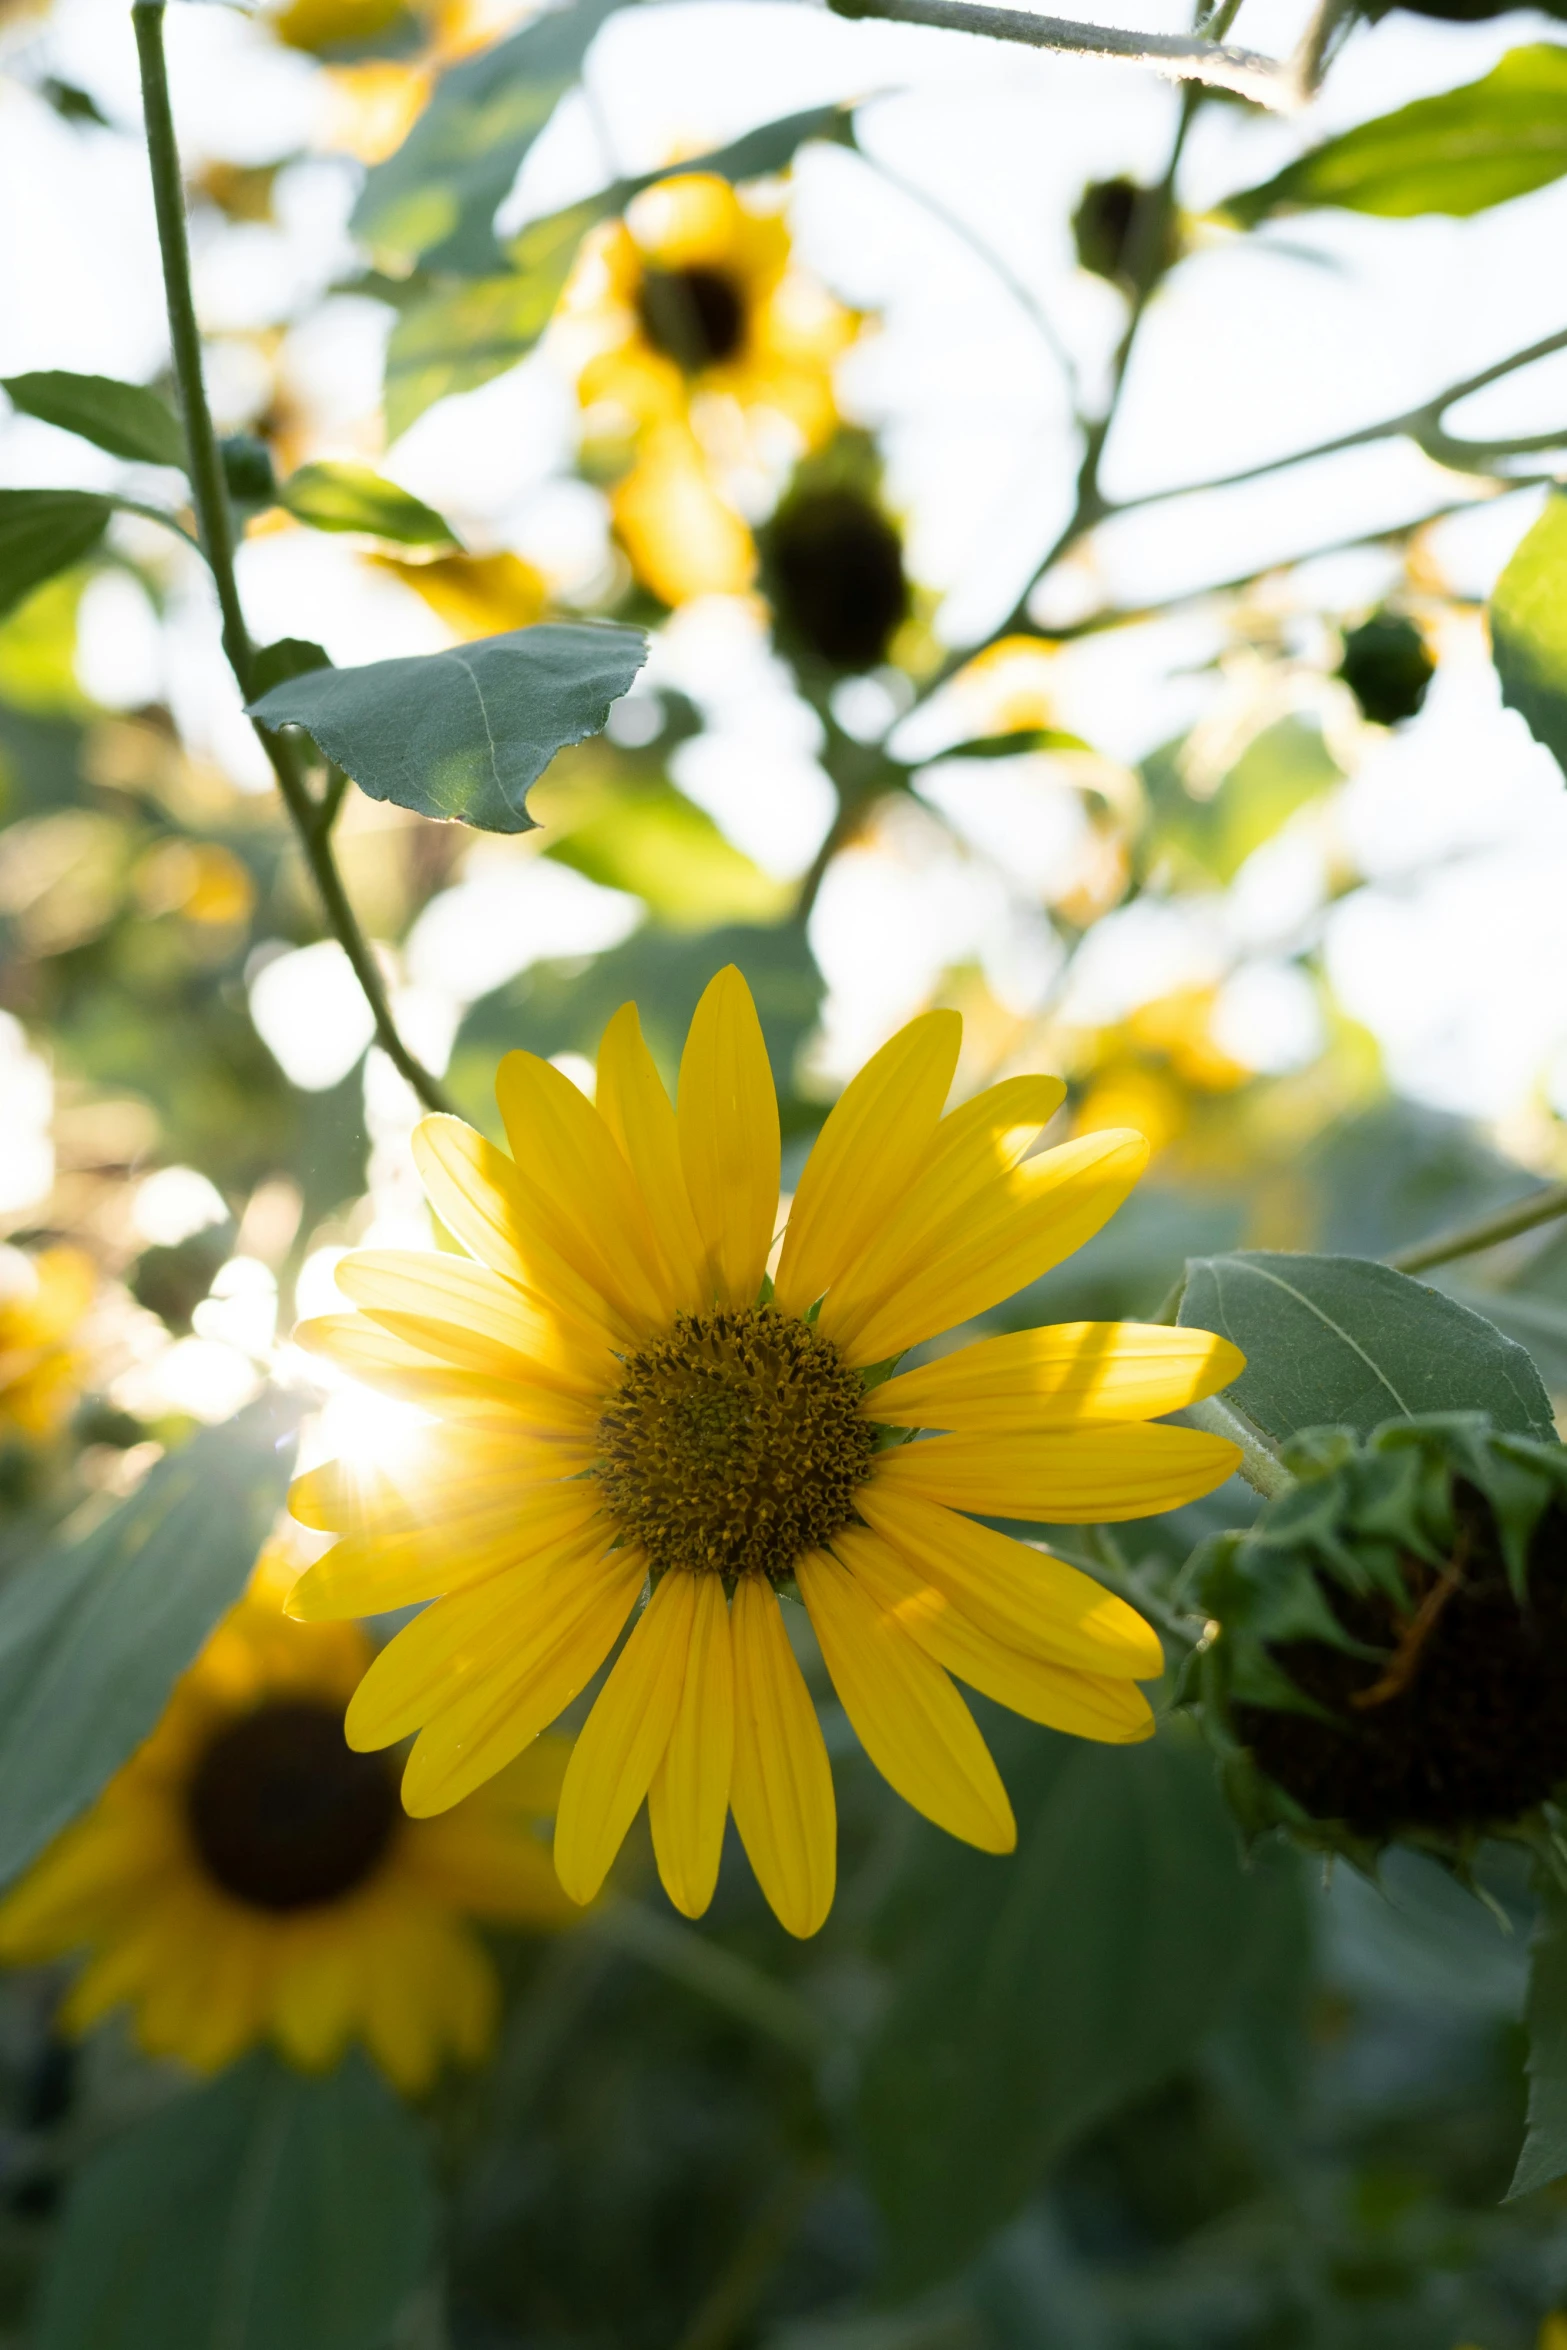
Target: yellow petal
[(906, 1713), (640, 1115), (781, 1788), (440, 1476), (461, 1313), (1074, 1375), (1098, 1477), (382, 1359), (1026, 1598), (623, 1739), (688, 1801), (483, 1729), (729, 1146), (1008, 1235), (866, 1156), (582, 1196), (479, 1195), (1088, 1705), (359, 1577)]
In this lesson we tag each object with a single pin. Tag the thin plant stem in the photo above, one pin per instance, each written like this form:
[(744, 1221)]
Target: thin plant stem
[(1260, 1465), (1181, 57), (215, 521), (1488, 1232)]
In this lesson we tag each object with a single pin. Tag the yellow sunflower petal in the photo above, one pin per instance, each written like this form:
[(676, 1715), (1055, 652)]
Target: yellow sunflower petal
[(483, 1728), (1027, 1599), (729, 1145), (623, 1740), (368, 1577), (781, 1788), (640, 1115), (479, 1195), (1096, 1477), (1074, 1375), (688, 1801), (906, 1713), (1088, 1705), (1016, 1229), (315, 1998), (866, 1156), (383, 1360), (583, 1198), (440, 1477), (483, 1864), (463, 1314)]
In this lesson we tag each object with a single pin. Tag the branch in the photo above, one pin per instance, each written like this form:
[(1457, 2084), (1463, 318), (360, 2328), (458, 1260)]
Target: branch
[(1177, 56), (1488, 1232), (216, 522)]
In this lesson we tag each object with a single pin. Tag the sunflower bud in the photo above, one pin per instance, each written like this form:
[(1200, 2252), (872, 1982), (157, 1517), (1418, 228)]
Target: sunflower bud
[(1387, 1655), (1387, 667), (834, 572)]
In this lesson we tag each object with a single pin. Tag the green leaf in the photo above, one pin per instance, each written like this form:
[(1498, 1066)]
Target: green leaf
[(271, 2211), (291, 656), (463, 735), (43, 532), (94, 1633), (1339, 1341), (1458, 153), (352, 497), (1010, 746), (125, 419), (1035, 1994), (1544, 2155), (1529, 629), (437, 197)]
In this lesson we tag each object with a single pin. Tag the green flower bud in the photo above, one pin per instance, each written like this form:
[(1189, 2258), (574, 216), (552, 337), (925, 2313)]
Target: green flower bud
[(1387, 667)]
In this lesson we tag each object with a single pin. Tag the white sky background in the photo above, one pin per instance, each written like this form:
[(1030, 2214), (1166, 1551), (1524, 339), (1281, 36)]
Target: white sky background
[(1455, 952)]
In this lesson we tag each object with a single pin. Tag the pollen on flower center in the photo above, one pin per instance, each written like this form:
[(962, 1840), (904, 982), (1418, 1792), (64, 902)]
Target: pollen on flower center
[(734, 1445), (694, 316), (284, 1814)]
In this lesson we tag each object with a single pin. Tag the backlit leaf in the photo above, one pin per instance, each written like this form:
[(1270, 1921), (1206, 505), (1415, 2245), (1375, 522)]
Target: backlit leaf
[(1529, 629), (331, 496), (125, 419), (460, 339), (43, 532)]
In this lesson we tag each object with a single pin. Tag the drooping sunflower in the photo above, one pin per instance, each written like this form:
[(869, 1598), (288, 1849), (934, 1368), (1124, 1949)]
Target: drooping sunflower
[(248, 1876), (619, 1397), (43, 1300)]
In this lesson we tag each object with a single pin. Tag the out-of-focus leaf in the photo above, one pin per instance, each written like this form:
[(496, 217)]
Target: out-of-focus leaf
[(437, 197), (1537, 1324), (1014, 744), (332, 496), (125, 419), (639, 833), (1398, 1172), (94, 1633), (1458, 153), (462, 735), (460, 339), (1544, 2155), (269, 2211), (1281, 770), (1529, 627), (1034, 1994), (43, 532), (1340, 1341), (291, 656)]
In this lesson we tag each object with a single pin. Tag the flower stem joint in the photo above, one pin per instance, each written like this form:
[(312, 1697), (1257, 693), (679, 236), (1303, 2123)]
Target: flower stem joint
[(1388, 1653)]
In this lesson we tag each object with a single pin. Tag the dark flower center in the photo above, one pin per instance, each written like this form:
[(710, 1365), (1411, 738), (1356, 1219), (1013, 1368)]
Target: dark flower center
[(694, 316), (837, 576), (735, 1445), (284, 1814), (1459, 1721)]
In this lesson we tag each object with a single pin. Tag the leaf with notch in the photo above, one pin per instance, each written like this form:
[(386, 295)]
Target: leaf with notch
[(330, 496), (43, 532), (271, 2210), (126, 419), (1458, 153), (463, 735), (1529, 629), (1343, 1342), (94, 1633)]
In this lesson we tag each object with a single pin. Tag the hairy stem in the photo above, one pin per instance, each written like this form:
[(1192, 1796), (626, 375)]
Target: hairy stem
[(1260, 1465), (1181, 57), (215, 521), (1487, 1232)]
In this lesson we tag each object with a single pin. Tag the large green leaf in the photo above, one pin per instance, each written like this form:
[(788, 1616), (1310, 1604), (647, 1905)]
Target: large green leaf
[(1341, 1341), (94, 1633), (331, 496), (43, 532), (463, 735), (1529, 629), (270, 2211), (1544, 2155), (436, 198), (1035, 1994), (125, 419), (1458, 153)]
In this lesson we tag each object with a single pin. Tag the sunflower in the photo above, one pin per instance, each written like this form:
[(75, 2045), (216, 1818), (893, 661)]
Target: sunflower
[(247, 1876), (43, 1300), (618, 1397)]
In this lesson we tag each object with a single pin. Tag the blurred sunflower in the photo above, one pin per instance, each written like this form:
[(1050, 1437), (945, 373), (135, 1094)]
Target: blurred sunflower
[(43, 1301), (619, 1393), (248, 1876)]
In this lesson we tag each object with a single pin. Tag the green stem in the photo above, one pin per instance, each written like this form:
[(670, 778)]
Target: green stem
[(1260, 1465), (711, 1971), (1182, 57), (215, 521), (1468, 1239)]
